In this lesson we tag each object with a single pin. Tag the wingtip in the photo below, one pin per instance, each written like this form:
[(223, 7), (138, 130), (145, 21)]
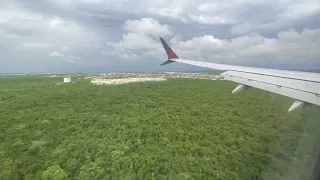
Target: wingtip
[(171, 54)]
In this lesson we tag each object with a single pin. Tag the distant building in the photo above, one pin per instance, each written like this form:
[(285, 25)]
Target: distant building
[(67, 80)]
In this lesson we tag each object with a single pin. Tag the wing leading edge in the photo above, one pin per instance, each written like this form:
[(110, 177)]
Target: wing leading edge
[(304, 87)]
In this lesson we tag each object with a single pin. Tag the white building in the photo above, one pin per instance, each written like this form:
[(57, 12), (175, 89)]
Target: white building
[(67, 80)]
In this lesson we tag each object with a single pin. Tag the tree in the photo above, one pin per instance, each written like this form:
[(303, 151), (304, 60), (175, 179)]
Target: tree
[(54, 173)]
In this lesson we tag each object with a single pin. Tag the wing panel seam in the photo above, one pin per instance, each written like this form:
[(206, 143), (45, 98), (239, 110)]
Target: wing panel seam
[(316, 94), (275, 76)]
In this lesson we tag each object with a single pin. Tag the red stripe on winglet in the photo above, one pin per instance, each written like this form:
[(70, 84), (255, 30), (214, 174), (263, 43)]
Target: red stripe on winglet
[(170, 53)]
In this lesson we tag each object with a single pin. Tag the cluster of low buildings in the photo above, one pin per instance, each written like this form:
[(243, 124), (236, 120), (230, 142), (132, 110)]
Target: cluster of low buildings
[(122, 75), (122, 78), (152, 75), (192, 76), (98, 81)]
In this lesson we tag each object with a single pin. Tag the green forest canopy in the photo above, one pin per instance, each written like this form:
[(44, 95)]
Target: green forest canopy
[(177, 129)]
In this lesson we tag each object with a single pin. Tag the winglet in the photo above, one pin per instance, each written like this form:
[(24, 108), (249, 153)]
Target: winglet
[(170, 53)]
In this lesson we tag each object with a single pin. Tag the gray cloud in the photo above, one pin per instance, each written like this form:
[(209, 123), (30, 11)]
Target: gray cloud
[(288, 46), (110, 35)]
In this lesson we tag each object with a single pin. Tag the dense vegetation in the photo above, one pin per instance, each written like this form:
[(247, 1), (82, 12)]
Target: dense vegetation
[(179, 129)]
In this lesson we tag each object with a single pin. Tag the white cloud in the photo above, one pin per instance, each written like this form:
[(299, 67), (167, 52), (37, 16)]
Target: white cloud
[(133, 46), (298, 8), (173, 13), (138, 44), (209, 12), (147, 26), (210, 19), (31, 28), (35, 44), (286, 14), (134, 41), (64, 54), (203, 12), (61, 52), (70, 60), (56, 53), (289, 46), (75, 31), (65, 49)]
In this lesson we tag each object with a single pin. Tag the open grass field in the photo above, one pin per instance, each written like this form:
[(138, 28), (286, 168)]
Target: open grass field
[(176, 129)]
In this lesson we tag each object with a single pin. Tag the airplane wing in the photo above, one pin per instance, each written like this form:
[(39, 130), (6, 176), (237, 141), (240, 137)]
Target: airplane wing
[(304, 87)]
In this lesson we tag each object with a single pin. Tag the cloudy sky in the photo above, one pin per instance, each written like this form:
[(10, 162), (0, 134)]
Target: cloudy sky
[(123, 35)]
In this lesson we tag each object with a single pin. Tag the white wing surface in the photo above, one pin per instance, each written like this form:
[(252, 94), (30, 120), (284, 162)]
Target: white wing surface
[(304, 87)]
